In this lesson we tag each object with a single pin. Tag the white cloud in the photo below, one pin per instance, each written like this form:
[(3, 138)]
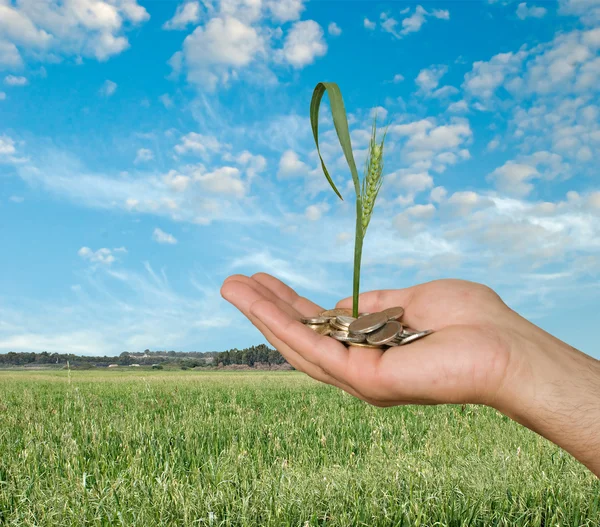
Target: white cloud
[(368, 24), (438, 194), (248, 11), (514, 178), (587, 10), (426, 146), (2, 96), (166, 100), (463, 203), (524, 12), (458, 107), (412, 23), (413, 220), (7, 146), (334, 30), (199, 144), (381, 113), (421, 212), (9, 55), (177, 182), (593, 200), (17, 199), (224, 180), (238, 43), (398, 78), (215, 192), (46, 30), (503, 239), (291, 166), (214, 52), (159, 236), (584, 154), (344, 237), (425, 136), (254, 165), (550, 90), (186, 14), (143, 155), (485, 77), (493, 145), (569, 64), (303, 44), (415, 182), (285, 10), (131, 203), (108, 88), (415, 127), (315, 212), (101, 256), (444, 92), (429, 78), (13, 80)]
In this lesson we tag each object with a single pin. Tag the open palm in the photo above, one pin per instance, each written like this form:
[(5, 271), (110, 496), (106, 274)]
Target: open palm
[(466, 360)]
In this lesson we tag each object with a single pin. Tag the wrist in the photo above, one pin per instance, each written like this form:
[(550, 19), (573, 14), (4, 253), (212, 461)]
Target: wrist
[(553, 389)]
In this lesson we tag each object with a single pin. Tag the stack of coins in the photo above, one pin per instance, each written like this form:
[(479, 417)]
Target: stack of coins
[(369, 330)]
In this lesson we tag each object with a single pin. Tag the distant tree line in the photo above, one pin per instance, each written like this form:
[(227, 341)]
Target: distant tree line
[(250, 356), (187, 359)]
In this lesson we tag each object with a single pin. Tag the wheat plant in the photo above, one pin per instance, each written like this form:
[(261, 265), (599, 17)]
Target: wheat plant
[(365, 198)]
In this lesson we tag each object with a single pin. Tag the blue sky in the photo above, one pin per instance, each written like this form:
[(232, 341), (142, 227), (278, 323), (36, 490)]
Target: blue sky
[(149, 149)]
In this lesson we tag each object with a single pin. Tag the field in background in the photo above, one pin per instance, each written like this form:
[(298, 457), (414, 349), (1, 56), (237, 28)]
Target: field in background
[(263, 449)]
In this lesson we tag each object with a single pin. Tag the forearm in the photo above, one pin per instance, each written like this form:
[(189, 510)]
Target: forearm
[(555, 391)]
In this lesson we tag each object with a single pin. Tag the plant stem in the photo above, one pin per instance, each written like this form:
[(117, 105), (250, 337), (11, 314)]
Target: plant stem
[(358, 245)]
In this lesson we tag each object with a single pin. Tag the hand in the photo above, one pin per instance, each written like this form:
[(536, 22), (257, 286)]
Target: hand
[(466, 360), (481, 352)]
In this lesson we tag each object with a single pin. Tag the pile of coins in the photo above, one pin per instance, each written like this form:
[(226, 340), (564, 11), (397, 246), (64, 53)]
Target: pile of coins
[(369, 330)]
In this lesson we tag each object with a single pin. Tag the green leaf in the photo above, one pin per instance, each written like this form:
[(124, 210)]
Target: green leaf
[(340, 121)]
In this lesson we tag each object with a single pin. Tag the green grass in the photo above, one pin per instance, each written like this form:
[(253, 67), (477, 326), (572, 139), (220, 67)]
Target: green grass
[(275, 448)]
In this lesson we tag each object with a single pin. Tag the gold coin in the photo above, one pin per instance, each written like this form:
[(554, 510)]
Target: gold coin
[(321, 329)]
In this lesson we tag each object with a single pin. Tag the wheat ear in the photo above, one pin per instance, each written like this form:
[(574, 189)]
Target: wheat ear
[(373, 177)]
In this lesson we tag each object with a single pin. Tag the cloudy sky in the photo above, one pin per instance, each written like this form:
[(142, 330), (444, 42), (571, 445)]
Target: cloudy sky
[(149, 149)]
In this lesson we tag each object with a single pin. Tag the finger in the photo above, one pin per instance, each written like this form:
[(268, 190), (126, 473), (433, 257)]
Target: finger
[(268, 294), (288, 295), (243, 296), (355, 367)]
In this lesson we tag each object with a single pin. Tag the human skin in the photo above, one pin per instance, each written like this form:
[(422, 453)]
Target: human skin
[(482, 352)]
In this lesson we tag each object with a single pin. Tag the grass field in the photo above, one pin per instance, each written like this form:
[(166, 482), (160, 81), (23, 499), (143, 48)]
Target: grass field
[(276, 448)]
